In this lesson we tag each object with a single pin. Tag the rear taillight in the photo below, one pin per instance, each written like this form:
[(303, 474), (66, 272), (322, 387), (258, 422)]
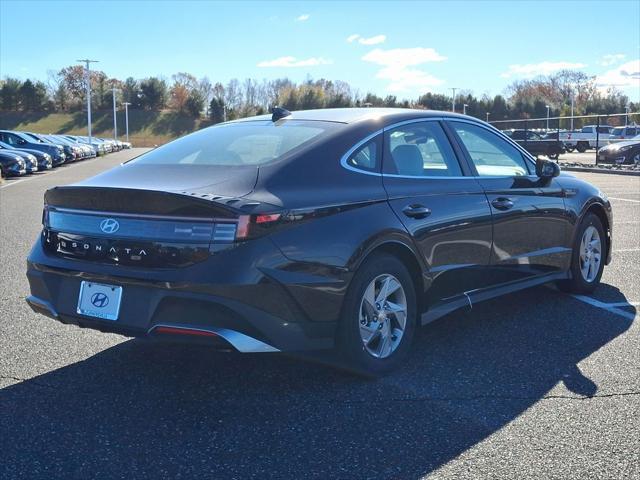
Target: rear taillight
[(252, 226)]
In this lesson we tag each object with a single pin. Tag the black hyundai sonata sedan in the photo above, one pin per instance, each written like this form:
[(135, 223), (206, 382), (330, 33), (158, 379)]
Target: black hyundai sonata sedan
[(339, 229)]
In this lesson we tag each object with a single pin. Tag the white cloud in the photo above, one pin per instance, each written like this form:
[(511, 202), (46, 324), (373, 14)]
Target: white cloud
[(353, 38), (408, 79), (396, 63), (303, 18), (543, 68), (372, 40), (612, 59), (625, 75), (294, 62), (403, 57)]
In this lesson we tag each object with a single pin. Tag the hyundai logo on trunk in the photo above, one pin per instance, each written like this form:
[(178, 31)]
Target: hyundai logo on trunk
[(109, 225)]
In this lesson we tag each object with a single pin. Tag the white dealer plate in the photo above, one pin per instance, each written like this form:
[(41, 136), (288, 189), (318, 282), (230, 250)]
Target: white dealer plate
[(99, 300)]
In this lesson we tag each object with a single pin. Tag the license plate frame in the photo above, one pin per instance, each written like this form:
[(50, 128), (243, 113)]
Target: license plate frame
[(99, 300)]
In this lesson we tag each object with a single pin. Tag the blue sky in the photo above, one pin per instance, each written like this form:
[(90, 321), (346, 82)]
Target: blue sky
[(398, 48)]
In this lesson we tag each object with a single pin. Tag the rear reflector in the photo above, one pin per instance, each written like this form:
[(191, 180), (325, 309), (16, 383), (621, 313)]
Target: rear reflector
[(184, 331)]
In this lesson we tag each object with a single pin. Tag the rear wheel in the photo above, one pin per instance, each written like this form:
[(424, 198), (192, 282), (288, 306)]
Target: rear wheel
[(587, 262), (582, 147), (379, 316)]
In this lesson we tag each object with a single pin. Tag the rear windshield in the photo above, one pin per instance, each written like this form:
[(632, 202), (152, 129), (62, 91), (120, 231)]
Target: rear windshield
[(238, 144)]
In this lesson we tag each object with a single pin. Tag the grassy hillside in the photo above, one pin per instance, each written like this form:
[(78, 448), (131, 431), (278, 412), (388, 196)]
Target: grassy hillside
[(145, 128)]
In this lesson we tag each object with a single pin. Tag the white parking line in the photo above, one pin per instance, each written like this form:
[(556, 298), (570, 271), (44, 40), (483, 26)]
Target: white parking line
[(627, 250), (624, 199), (13, 183), (610, 307)]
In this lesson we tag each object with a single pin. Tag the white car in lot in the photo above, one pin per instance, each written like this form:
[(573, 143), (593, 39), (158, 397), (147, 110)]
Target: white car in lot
[(622, 134)]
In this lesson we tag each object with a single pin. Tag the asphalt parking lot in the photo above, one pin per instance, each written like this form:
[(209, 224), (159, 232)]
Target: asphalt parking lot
[(538, 384)]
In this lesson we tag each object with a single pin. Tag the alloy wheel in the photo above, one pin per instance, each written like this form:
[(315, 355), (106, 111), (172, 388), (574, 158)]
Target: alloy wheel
[(383, 316), (590, 254)]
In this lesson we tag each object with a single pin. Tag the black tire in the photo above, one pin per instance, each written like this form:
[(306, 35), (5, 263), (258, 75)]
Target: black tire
[(349, 341), (570, 149), (582, 147), (577, 283)]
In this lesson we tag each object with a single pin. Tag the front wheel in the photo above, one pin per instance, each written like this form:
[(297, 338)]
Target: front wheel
[(587, 262), (379, 316)]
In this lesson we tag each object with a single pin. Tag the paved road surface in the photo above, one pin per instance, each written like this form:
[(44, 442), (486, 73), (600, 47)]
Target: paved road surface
[(538, 384)]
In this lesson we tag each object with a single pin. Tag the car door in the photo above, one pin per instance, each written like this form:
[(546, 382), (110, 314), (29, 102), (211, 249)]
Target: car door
[(531, 228), (442, 206)]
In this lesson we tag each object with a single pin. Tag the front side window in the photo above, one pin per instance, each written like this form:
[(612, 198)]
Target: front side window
[(420, 150), (238, 144), (491, 155)]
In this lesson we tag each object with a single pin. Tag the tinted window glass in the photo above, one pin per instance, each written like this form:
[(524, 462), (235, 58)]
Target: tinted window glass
[(491, 155), (617, 131), (245, 143), (365, 157), (420, 150)]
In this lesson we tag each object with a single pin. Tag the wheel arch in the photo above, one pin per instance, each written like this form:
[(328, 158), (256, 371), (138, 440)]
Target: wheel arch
[(409, 258), (599, 211)]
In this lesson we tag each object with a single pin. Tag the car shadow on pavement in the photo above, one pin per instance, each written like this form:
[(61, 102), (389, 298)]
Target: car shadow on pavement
[(149, 410)]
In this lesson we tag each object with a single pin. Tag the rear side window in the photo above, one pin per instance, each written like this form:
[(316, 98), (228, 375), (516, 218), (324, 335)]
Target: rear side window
[(420, 150), (239, 144), (366, 156), (491, 154)]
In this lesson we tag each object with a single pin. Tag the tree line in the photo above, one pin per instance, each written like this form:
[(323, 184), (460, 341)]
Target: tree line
[(65, 91)]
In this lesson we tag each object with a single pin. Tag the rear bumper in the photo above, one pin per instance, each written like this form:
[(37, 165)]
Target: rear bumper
[(245, 309)]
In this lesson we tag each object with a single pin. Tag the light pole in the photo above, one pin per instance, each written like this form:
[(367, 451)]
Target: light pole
[(126, 118), (488, 113), (88, 72), (626, 117), (572, 100), (453, 99), (464, 109), (115, 121), (548, 107)]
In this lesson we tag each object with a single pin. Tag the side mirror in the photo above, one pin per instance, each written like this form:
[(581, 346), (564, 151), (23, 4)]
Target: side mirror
[(547, 169)]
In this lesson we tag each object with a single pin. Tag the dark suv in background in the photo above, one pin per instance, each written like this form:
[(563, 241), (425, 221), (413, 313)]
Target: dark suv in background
[(535, 144)]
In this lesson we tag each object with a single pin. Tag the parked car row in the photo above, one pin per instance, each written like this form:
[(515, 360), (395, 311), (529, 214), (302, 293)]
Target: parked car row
[(27, 152), (554, 142)]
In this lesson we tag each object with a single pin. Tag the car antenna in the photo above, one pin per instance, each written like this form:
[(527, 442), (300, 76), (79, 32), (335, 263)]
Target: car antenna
[(278, 113)]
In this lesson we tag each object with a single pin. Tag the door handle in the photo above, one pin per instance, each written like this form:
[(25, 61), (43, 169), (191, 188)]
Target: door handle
[(502, 203), (416, 211)]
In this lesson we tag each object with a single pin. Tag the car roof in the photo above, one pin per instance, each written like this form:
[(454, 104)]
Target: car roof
[(352, 115)]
